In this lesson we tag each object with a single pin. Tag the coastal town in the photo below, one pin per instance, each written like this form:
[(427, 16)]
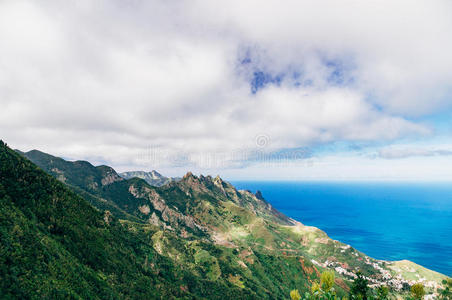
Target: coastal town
[(390, 274)]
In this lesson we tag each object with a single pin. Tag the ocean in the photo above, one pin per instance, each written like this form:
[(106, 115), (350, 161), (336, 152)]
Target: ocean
[(389, 221)]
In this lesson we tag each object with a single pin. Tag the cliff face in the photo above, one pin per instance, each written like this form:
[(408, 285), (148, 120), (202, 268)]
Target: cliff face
[(221, 234)]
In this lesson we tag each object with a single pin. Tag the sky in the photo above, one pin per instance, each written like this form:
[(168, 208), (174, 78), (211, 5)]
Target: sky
[(268, 90)]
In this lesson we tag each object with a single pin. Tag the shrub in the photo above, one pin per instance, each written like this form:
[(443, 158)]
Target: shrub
[(417, 291)]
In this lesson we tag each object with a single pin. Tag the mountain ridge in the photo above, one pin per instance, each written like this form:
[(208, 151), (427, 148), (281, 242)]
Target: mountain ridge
[(153, 177), (209, 210), (55, 245)]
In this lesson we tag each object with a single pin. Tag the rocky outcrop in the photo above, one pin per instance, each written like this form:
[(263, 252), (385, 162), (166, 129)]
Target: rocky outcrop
[(211, 210), (108, 175), (169, 216)]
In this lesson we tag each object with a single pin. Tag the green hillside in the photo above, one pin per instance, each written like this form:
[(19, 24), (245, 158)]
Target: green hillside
[(55, 245), (195, 238)]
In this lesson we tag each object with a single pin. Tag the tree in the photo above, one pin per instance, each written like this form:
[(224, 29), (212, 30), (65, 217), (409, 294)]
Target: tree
[(295, 295), (359, 288), (382, 292), (417, 291), (322, 290), (446, 293), (327, 281)]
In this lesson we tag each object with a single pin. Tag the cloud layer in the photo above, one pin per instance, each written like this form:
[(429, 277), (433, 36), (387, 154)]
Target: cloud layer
[(110, 80), (405, 152)]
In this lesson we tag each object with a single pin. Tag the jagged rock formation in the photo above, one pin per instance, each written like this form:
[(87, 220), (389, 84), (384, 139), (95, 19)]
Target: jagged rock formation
[(245, 241), (55, 245)]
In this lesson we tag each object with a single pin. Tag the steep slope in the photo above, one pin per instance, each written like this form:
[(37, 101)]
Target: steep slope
[(238, 237), (79, 173), (153, 178), (84, 178), (55, 245)]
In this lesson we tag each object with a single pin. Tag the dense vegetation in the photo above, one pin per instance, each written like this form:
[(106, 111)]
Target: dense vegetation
[(88, 233), (54, 244), (324, 290)]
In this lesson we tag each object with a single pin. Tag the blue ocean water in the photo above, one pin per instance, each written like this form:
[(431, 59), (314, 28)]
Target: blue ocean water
[(390, 221)]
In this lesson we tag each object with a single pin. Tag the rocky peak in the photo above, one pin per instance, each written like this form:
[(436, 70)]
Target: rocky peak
[(201, 183), (156, 175), (218, 181), (189, 175), (108, 174), (259, 195)]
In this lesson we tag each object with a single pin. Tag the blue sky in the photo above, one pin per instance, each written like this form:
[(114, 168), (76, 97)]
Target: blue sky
[(324, 90)]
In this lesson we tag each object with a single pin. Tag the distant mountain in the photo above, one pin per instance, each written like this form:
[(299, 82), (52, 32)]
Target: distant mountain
[(154, 178), (232, 242), (79, 173), (84, 178)]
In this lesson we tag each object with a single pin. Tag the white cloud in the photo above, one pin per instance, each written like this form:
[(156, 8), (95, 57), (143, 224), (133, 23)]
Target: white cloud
[(400, 49), (396, 152), (107, 80), (350, 168)]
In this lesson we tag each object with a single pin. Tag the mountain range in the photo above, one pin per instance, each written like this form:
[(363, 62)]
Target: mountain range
[(74, 230), (154, 178)]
